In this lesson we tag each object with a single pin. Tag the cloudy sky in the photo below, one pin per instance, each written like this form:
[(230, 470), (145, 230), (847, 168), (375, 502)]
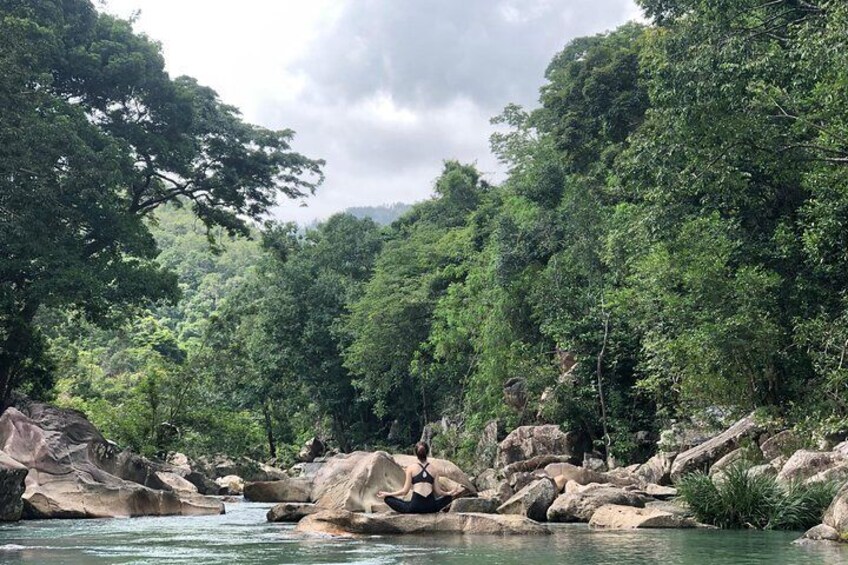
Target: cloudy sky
[(384, 90)]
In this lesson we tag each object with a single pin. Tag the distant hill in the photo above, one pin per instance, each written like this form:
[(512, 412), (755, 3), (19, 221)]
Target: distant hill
[(383, 215)]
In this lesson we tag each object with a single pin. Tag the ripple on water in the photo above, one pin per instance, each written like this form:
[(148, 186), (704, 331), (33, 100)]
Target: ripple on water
[(243, 536)]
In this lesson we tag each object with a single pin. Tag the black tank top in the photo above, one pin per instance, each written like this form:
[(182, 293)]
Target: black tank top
[(423, 476)]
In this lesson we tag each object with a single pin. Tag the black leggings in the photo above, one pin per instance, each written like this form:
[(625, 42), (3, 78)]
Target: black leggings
[(419, 504)]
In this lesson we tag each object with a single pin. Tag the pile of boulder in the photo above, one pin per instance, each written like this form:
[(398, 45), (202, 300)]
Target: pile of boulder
[(543, 474), (228, 476), (55, 464), (548, 475), (538, 474)]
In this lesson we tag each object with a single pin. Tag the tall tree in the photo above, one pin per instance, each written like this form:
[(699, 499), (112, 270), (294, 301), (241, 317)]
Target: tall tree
[(94, 136), (390, 323)]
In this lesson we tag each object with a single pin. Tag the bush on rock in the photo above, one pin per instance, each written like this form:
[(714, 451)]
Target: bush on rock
[(745, 500)]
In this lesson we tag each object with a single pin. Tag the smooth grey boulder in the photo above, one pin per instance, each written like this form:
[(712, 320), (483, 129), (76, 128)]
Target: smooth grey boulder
[(657, 469), (762, 471), (836, 515), (69, 464), (487, 447), (284, 490), (805, 464), (837, 474), (579, 506), (351, 481), (822, 532), (526, 442), (735, 457), (474, 505), (204, 484), (615, 517), (342, 522), (532, 501), (231, 485), (518, 481), (781, 444), (177, 484), (486, 480), (291, 511)]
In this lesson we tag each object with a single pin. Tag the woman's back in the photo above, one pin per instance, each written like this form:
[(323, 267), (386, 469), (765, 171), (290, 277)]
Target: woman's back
[(423, 481), (423, 478)]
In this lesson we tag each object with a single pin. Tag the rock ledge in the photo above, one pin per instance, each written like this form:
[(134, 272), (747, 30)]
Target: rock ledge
[(342, 522)]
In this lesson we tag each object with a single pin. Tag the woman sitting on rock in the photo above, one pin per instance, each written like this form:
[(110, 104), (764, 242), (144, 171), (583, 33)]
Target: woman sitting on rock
[(427, 497)]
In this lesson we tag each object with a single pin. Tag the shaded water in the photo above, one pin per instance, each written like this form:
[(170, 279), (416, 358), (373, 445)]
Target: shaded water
[(243, 536)]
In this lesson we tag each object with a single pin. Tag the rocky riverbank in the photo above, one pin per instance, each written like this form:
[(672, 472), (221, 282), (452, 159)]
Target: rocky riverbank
[(55, 464), (534, 480)]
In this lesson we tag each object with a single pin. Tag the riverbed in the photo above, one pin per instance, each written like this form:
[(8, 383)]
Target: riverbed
[(243, 536)]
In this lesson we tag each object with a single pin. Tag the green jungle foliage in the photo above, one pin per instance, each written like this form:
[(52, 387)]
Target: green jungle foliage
[(94, 137), (671, 236)]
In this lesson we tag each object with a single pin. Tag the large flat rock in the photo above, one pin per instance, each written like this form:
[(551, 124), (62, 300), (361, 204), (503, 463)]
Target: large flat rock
[(77, 495), (341, 522), (615, 517)]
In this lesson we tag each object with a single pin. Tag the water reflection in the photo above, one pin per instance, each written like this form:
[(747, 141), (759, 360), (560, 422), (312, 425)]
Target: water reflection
[(243, 536)]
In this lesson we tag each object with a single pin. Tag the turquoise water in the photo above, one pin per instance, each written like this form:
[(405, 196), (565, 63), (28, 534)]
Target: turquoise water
[(243, 536)]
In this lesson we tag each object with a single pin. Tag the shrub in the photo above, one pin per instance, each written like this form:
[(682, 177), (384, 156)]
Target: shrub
[(740, 500)]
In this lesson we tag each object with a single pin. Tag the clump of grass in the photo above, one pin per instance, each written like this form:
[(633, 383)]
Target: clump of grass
[(739, 500)]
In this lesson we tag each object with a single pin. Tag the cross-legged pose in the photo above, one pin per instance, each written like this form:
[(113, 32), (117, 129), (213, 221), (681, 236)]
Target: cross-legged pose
[(427, 497)]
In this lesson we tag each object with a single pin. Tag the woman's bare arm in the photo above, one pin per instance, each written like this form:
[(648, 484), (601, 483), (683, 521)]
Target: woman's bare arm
[(438, 490)]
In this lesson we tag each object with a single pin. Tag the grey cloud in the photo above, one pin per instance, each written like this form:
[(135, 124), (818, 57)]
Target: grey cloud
[(451, 64), (427, 53), (372, 163)]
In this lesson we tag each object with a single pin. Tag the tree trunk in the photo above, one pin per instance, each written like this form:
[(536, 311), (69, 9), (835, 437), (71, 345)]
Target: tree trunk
[(15, 350), (269, 429), (340, 434), (601, 384)]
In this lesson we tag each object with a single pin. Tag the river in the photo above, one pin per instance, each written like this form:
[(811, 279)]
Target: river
[(243, 536)]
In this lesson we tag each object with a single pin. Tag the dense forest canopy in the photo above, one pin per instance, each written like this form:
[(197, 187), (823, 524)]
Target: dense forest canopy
[(671, 237), (94, 137)]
